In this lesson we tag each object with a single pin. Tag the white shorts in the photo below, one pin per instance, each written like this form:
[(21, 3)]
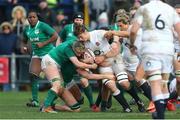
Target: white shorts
[(118, 65), (105, 69), (164, 63), (47, 60), (35, 56)]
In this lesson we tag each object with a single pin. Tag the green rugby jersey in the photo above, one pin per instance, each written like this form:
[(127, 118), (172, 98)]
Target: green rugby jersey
[(39, 33), (67, 33), (114, 27), (62, 53)]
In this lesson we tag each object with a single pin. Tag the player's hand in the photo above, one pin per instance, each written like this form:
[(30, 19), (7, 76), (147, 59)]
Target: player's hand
[(109, 35), (133, 49), (24, 50), (99, 59), (40, 44), (94, 66)]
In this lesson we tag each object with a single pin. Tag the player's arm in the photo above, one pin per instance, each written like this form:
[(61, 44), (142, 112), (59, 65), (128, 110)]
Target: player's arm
[(93, 76), (49, 31), (133, 32), (82, 65), (58, 41), (115, 50), (52, 39), (111, 33)]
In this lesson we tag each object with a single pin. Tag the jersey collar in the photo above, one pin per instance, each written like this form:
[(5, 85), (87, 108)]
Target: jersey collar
[(35, 25)]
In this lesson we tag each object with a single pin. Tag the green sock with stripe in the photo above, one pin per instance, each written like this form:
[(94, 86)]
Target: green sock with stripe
[(51, 97)]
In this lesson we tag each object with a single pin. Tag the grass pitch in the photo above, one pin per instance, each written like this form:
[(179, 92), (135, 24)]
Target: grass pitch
[(13, 106)]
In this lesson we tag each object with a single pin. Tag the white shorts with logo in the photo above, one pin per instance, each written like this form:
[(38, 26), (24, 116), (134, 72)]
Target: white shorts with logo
[(116, 67), (164, 63), (46, 61)]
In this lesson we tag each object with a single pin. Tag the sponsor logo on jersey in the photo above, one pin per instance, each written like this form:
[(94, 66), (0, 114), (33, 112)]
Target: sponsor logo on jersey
[(36, 31), (97, 52)]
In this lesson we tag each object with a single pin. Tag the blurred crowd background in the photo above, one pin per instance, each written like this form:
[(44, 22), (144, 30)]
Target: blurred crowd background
[(57, 13)]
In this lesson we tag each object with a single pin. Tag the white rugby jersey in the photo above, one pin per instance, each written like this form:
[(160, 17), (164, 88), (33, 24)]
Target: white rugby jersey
[(98, 44), (131, 61), (157, 19)]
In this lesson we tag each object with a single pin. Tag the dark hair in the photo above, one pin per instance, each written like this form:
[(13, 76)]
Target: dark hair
[(78, 29), (177, 6), (35, 11)]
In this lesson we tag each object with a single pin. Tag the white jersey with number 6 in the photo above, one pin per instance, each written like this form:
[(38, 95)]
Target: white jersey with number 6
[(157, 19)]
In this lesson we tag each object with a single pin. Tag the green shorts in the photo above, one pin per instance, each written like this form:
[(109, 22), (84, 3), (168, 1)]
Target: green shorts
[(68, 70)]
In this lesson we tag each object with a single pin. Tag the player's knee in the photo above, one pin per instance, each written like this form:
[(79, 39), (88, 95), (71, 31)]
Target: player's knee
[(109, 84), (57, 85), (33, 76), (125, 84)]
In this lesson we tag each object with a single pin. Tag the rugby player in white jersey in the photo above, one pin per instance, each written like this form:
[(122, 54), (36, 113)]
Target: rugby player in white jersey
[(112, 60), (157, 48), (96, 42)]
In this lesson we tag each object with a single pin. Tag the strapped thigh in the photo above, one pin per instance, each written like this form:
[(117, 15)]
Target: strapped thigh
[(156, 75), (122, 76), (177, 73)]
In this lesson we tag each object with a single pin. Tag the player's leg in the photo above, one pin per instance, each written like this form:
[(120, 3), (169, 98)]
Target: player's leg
[(155, 79), (115, 91), (104, 97), (154, 66), (99, 97), (88, 92), (75, 91), (177, 73), (68, 71), (34, 70), (51, 71), (141, 82), (122, 79)]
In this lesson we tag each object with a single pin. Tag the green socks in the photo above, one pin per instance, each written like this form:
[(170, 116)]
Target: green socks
[(88, 93), (51, 97), (34, 89)]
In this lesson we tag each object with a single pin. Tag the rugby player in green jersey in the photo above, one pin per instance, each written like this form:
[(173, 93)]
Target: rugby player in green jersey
[(41, 36), (53, 66), (67, 34)]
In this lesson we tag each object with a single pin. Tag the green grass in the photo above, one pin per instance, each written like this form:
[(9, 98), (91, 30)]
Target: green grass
[(12, 106)]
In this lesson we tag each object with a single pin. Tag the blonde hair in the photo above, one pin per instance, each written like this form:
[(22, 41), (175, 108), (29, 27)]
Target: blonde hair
[(23, 19), (78, 46), (21, 8)]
